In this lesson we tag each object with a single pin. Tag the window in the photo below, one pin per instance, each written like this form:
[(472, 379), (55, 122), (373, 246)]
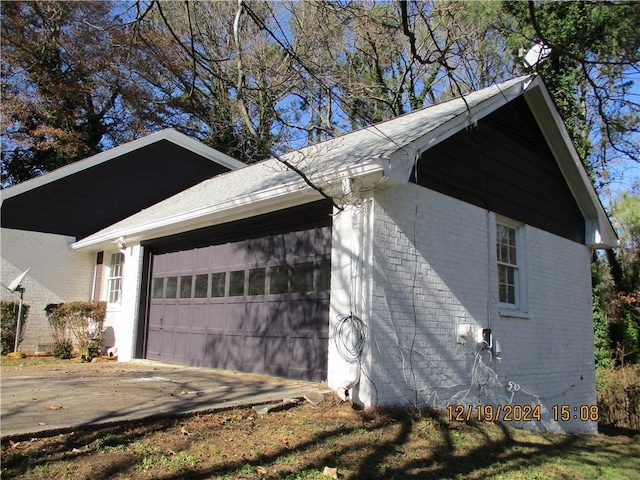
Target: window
[(114, 283), (186, 283), (171, 287), (202, 286), (303, 277), (158, 287), (278, 279), (217, 284), (256, 281), (236, 283), (509, 265)]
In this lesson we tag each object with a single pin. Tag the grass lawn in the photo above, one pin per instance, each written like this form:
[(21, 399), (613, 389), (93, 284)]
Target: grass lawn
[(300, 442)]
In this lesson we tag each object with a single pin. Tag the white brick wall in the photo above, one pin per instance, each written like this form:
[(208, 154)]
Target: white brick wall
[(57, 274), (431, 274)]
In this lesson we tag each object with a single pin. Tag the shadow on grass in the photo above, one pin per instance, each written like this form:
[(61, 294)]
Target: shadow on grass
[(389, 444)]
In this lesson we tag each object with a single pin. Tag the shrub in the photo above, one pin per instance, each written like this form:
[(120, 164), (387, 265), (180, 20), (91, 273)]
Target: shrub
[(85, 320), (8, 324), (63, 349), (619, 396)]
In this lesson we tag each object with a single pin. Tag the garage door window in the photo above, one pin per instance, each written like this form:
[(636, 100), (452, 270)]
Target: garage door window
[(202, 286), (217, 284), (278, 280), (158, 287), (303, 277), (256, 281), (236, 283), (171, 287), (185, 286)]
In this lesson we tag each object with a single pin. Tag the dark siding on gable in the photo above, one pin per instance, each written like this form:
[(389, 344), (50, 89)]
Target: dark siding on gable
[(505, 165), (87, 201)]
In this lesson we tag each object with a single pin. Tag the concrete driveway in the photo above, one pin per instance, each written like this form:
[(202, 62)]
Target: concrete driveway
[(55, 398)]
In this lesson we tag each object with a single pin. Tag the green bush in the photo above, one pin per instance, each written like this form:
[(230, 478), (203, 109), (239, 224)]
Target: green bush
[(8, 324), (63, 349), (619, 396), (85, 320)]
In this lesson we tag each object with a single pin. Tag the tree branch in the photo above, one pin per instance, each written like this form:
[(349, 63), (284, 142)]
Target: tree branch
[(247, 119)]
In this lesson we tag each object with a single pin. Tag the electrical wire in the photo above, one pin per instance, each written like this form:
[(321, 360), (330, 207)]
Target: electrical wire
[(349, 337)]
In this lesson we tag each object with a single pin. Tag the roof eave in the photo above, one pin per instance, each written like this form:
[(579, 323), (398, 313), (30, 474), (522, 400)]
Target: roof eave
[(399, 165), (599, 231)]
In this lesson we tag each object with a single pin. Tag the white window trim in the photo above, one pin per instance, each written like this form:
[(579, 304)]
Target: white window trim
[(109, 277), (521, 308)]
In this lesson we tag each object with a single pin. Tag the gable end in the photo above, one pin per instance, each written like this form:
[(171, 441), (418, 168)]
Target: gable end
[(505, 165)]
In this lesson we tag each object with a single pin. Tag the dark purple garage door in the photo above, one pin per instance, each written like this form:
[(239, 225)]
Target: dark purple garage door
[(259, 305)]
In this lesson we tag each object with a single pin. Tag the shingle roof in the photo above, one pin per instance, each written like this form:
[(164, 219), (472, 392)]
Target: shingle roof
[(352, 151)]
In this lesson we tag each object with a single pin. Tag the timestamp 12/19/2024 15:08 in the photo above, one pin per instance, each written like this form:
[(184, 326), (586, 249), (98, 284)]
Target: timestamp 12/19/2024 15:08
[(521, 413)]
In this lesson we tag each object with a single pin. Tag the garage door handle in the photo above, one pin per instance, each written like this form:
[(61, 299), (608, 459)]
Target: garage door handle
[(161, 322)]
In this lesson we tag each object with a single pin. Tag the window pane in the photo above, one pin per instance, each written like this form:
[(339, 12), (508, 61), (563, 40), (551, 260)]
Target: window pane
[(324, 275), (503, 294), (185, 286), (502, 274), (236, 283), (202, 286), (303, 277), (115, 287), (511, 294), (503, 253), (256, 281), (171, 287), (217, 284), (158, 285), (278, 279)]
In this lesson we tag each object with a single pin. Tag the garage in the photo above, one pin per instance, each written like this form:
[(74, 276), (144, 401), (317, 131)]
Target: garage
[(249, 302)]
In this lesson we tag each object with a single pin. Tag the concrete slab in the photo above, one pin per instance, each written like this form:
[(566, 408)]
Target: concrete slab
[(48, 399)]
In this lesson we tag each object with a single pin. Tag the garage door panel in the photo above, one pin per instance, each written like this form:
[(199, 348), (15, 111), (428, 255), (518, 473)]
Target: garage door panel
[(169, 315), (167, 343), (253, 353), (216, 317), (257, 305), (234, 351), (257, 251), (237, 254), (278, 315), (197, 345), (308, 357), (181, 348), (278, 248), (200, 318), (154, 343), (304, 315), (235, 313), (214, 356), (255, 316), (276, 356)]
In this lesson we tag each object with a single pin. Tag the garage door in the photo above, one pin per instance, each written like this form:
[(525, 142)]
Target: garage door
[(259, 305)]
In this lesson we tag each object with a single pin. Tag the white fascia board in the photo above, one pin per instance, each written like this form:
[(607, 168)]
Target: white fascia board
[(399, 165), (599, 231), (168, 134)]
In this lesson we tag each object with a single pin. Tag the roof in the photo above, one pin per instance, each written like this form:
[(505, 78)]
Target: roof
[(388, 148), (86, 196)]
